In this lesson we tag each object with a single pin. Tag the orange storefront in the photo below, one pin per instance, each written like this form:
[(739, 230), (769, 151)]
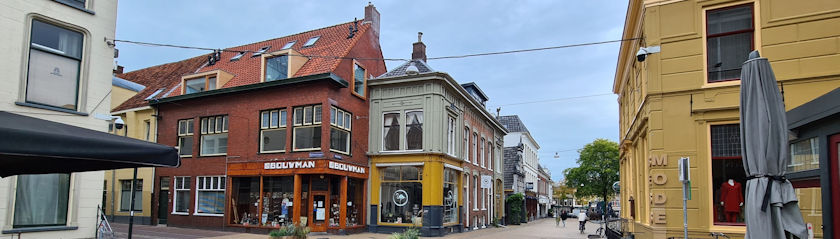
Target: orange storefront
[(323, 194)]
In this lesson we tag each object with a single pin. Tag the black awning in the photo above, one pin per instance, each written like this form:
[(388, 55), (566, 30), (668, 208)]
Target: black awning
[(35, 146)]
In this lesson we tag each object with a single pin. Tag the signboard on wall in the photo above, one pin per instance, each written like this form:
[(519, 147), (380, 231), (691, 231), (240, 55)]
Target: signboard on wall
[(486, 181)]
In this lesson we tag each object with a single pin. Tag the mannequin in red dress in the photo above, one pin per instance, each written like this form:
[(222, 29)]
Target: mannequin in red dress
[(731, 198)]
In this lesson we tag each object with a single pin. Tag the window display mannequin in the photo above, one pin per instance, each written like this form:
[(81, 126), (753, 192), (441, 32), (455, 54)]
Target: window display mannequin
[(731, 198)]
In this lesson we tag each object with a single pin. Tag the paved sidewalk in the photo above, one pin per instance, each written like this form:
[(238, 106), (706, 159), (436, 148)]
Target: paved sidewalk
[(543, 228)]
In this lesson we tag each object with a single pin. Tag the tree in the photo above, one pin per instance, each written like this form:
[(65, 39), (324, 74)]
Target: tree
[(597, 171)]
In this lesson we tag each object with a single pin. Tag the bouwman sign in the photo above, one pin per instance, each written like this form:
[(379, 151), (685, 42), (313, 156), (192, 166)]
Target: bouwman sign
[(290, 165)]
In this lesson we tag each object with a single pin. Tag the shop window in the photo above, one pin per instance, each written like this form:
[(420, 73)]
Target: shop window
[(200, 84), (125, 195), (804, 155), (41, 200), (391, 131), (340, 121), (729, 39), (334, 206), (185, 137), (214, 135), (182, 195), (211, 195), (728, 177), (465, 152), (401, 195), (278, 196), (450, 195), (810, 204), (276, 68), (359, 80), (307, 128), (451, 139), (273, 131), (245, 193), (355, 205), (414, 130), (55, 57)]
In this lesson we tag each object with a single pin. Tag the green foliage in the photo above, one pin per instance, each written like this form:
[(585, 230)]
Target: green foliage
[(277, 233), (517, 213), (598, 169), (410, 233), (290, 230)]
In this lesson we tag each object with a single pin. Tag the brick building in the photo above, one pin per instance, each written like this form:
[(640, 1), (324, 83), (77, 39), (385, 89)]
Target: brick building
[(270, 133)]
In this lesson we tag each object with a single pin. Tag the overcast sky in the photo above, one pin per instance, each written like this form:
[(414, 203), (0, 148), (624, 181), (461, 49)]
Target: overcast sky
[(449, 28)]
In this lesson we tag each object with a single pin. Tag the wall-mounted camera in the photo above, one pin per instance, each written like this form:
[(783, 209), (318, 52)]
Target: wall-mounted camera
[(641, 55)]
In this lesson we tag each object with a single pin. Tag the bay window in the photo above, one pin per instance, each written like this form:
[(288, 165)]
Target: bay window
[(181, 198), (307, 128), (214, 135), (273, 131), (185, 137), (340, 122), (55, 59), (210, 195), (401, 195)]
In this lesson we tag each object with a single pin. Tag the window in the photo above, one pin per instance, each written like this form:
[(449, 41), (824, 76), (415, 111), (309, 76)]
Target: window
[(311, 41), (147, 129), (355, 205), (214, 135), (340, 122), (451, 139), (401, 195), (490, 159), (277, 68), (245, 197), (41, 200), (359, 80), (200, 84), (729, 39), (466, 150), (185, 137), (307, 128), (728, 177), (55, 56), (475, 149), (288, 45), (273, 131), (237, 56), (481, 154), (414, 128), (804, 155), (182, 195), (74, 3), (475, 193), (125, 195), (450, 195), (211, 195), (261, 51), (391, 131), (277, 201)]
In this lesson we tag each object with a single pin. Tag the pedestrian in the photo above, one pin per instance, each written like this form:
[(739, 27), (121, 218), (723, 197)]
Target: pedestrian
[(563, 217)]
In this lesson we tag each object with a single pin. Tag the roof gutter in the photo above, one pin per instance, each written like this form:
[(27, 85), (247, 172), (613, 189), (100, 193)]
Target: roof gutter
[(331, 77)]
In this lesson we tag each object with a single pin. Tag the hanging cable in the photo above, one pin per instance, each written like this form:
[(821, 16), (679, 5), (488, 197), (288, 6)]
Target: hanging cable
[(532, 49), (557, 99)]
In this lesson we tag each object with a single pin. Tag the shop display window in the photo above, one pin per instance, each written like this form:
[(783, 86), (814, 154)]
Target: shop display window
[(450, 195), (304, 198), (278, 198), (401, 195), (804, 155), (334, 208), (355, 206), (245, 200), (728, 177)]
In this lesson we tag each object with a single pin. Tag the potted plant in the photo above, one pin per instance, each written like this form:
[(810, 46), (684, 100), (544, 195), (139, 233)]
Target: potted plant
[(410, 233)]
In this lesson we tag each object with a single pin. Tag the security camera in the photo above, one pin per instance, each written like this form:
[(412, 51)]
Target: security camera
[(641, 55), (119, 123)]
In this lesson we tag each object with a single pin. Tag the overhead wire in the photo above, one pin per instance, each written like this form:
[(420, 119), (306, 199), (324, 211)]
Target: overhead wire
[(553, 100)]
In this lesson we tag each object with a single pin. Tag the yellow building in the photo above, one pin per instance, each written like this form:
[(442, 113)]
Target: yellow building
[(139, 123), (681, 99)]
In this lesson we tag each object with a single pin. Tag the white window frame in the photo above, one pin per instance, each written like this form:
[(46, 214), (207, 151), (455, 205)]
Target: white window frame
[(450, 136), (344, 125), (399, 131), (221, 188), (481, 155), (179, 185), (137, 192), (269, 126), (475, 148), (303, 124), (364, 94), (475, 193), (187, 132), (404, 132), (466, 151), (213, 125)]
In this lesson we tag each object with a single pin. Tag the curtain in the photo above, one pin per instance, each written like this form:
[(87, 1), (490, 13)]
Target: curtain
[(70, 43), (414, 136), (392, 129), (41, 200)]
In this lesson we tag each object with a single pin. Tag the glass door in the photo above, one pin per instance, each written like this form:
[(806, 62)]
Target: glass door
[(319, 211)]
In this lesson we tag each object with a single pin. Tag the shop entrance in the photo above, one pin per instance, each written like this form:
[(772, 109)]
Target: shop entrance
[(319, 213)]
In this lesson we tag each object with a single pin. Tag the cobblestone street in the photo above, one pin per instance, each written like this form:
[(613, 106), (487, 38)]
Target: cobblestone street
[(543, 228)]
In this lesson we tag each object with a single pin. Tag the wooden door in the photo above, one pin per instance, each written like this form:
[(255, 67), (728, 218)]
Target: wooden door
[(318, 214)]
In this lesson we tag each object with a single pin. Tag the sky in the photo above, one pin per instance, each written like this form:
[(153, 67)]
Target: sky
[(449, 28)]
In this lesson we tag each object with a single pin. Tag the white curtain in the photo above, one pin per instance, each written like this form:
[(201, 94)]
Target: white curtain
[(41, 200)]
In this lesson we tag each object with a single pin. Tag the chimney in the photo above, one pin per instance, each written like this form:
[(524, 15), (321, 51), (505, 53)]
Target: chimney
[(419, 52), (372, 17)]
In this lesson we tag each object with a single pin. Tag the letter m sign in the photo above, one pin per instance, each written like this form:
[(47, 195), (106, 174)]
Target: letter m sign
[(660, 160)]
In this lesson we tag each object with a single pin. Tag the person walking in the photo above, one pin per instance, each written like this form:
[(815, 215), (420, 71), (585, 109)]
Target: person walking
[(563, 216)]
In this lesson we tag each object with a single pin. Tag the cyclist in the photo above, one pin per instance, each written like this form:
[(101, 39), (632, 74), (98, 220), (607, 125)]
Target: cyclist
[(582, 220)]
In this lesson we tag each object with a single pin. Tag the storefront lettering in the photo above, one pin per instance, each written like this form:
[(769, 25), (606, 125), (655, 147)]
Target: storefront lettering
[(660, 160), (290, 165), (657, 216), (345, 167), (659, 178), (658, 198)]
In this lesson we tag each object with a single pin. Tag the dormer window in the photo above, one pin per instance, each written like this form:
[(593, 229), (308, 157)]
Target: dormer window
[(288, 45), (311, 41), (200, 84), (261, 51), (359, 82), (277, 68)]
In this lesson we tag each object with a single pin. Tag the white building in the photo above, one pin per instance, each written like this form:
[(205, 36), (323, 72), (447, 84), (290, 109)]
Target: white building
[(518, 135), (56, 66)]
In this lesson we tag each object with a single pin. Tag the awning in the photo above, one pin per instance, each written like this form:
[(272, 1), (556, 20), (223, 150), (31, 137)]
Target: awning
[(35, 146)]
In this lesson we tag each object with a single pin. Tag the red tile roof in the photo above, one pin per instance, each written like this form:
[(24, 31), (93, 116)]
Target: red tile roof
[(332, 43)]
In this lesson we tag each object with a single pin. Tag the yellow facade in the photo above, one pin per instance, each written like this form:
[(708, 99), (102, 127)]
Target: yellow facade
[(667, 105), (139, 124)]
